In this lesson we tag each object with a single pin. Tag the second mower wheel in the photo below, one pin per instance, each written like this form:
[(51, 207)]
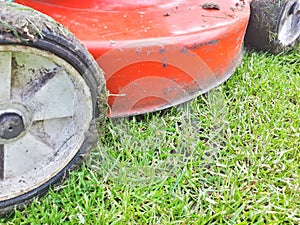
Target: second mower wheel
[(274, 25)]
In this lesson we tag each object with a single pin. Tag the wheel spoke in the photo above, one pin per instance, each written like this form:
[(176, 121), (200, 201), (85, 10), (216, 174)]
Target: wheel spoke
[(27, 154), (5, 76), (57, 130), (1, 162), (36, 84), (54, 100)]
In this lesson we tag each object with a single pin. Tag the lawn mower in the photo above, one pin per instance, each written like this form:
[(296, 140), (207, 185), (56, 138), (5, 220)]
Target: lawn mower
[(66, 65)]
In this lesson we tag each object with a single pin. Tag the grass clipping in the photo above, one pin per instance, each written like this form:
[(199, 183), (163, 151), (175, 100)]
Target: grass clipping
[(25, 23)]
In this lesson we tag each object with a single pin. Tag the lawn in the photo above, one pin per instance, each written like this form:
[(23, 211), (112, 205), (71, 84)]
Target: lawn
[(231, 156)]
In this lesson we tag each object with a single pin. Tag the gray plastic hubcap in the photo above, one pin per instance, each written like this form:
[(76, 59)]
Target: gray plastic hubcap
[(289, 24)]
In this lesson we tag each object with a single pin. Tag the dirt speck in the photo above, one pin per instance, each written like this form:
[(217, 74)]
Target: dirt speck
[(211, 5)]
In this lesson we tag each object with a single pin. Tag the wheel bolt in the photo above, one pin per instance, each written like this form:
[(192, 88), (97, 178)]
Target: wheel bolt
[(11, 125)]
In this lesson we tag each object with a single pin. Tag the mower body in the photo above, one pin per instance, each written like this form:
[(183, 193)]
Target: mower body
[(155, 53)]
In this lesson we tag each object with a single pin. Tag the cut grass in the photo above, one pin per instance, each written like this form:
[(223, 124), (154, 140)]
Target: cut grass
[(229, 157)]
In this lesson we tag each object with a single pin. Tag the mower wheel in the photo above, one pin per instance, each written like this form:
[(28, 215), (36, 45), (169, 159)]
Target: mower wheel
[(49, 90), (274, 25)]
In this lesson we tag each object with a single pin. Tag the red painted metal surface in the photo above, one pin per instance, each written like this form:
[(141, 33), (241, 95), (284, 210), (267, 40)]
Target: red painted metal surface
[(155, 53)]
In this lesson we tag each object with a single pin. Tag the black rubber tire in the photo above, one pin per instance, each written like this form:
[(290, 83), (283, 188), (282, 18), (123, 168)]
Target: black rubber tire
[(265, 25), (45, 34)]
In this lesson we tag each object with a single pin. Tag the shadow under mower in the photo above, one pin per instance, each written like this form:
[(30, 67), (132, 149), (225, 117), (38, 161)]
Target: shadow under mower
[(63, 62)]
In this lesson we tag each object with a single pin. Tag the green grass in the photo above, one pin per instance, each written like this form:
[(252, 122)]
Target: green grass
[(229, 157)]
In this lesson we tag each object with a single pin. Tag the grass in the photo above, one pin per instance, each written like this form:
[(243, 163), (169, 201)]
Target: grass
[(228, 157)]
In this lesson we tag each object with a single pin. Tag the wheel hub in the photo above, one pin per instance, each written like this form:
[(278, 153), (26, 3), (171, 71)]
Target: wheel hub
[(289, 25), (15, 119), (11, 125), (45, 111)]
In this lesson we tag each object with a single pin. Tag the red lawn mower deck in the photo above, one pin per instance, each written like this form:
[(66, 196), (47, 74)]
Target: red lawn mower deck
[(155, 53)]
